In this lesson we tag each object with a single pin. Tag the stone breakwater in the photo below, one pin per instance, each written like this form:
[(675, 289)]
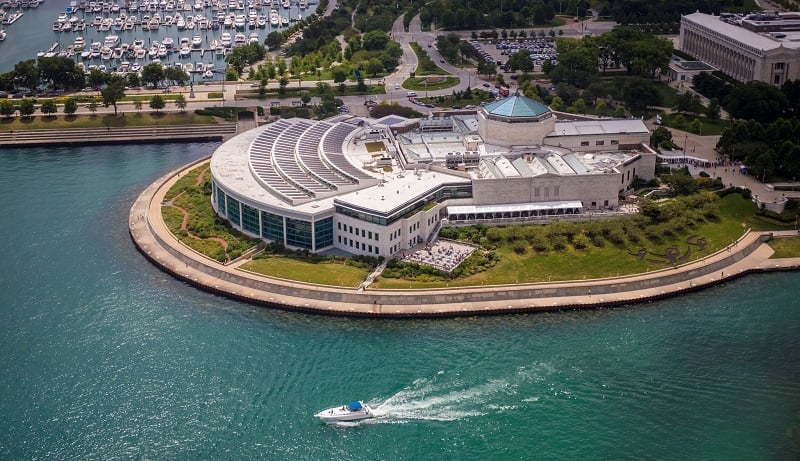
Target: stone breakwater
[(147, 229)]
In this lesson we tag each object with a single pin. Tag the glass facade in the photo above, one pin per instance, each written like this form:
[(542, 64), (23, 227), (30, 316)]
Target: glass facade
[(221, 202), (298, 233), (271, 227), (323, 233), (233, 211), (250, 219)]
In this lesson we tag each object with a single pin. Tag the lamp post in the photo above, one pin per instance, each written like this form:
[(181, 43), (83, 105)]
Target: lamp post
[(685, 138)]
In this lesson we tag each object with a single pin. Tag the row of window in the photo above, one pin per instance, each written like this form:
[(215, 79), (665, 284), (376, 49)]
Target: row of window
[(613, 142), (537, 191), (360, 245), (363, 232), (291, 232)]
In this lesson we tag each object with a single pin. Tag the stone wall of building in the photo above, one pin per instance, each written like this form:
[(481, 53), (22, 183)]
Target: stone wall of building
[(594, 190)]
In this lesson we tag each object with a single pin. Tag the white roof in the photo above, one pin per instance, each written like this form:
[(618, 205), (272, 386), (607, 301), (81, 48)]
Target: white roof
[(740, 34), (399, 188), (596, 127)]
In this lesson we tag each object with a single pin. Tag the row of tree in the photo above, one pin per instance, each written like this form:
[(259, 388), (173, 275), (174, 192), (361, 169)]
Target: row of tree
[(27, 106), (483, 14), (765, 148), (59, 73)]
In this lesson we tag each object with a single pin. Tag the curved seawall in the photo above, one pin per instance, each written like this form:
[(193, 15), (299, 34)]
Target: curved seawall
[(159, 245)]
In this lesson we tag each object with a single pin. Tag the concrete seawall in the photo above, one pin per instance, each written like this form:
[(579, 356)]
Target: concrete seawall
[(117, 135), (160, 246)]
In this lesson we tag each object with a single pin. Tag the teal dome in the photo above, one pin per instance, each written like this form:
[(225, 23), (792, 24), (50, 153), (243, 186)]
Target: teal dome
[(517, 107)]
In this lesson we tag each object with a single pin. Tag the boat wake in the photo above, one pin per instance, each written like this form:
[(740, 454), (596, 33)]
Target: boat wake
[(444, 398)]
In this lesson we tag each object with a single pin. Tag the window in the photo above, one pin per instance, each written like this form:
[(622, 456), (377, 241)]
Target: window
[(584, 143), (298, 233), (546, 192), (536, 192), (614, 142), (233, 211), (779, 66), (599, 143), (323, 233), (271, 227), (777, 80), (556, 190), (250, 219)]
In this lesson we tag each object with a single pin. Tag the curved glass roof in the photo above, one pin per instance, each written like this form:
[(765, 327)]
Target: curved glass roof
[(516, 106)]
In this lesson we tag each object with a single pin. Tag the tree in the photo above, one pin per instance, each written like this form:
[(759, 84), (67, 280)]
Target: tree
[(48, 107), (133, 79), (282, 83), (521, 60), (26, 107), (758, 101), (696, 126), (660, 136), (113, 92), (92, 106), (689, 102), (273, 40), (305, 98), (180, 103), (137, 105), (96, 78), (375, 40), (26, 75), (70, 106), (639, 94), (580, 106), (374, 67), (7, 108), (157, 103), (713, 110), (152, 74)]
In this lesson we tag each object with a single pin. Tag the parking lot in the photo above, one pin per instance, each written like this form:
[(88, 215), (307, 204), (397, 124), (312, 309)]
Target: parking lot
[(496, 51)]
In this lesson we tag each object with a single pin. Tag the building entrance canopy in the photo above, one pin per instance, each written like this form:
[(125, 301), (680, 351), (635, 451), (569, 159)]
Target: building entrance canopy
[(521, 210)]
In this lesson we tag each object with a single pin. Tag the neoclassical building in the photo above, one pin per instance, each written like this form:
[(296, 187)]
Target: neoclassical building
[(728, 44), (381, 187)]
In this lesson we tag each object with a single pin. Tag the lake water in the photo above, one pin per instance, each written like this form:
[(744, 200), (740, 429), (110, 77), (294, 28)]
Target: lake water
[(103, 356)]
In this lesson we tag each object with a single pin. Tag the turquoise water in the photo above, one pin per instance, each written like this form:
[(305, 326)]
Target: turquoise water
[(102, 356)]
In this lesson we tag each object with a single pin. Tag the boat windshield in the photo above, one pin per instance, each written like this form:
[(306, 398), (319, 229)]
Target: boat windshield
[(354, 406)]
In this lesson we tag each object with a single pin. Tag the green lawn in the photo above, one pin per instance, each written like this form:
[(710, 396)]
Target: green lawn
[(785, 247), (735, 216), (434, 83), (327, 273), (709, 127), (124, 119), (205, 227)]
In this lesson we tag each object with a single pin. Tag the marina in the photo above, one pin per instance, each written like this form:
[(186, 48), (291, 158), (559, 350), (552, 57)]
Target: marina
[(177, 33)]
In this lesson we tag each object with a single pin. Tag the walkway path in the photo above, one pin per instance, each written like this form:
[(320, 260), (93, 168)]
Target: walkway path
[(154, 240)]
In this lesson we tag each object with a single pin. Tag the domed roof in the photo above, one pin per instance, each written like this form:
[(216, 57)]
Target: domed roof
[(516, 106)]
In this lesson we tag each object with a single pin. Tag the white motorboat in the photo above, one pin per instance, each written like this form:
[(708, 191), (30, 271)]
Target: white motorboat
[(225, 40), (2, 34), (197, 41), (353, 411)]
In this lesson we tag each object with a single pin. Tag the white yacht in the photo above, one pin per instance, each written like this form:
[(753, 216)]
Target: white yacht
[(274, 18), (225, 39), (239, 40), (197, 41), (353, 411), (78, 45)]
